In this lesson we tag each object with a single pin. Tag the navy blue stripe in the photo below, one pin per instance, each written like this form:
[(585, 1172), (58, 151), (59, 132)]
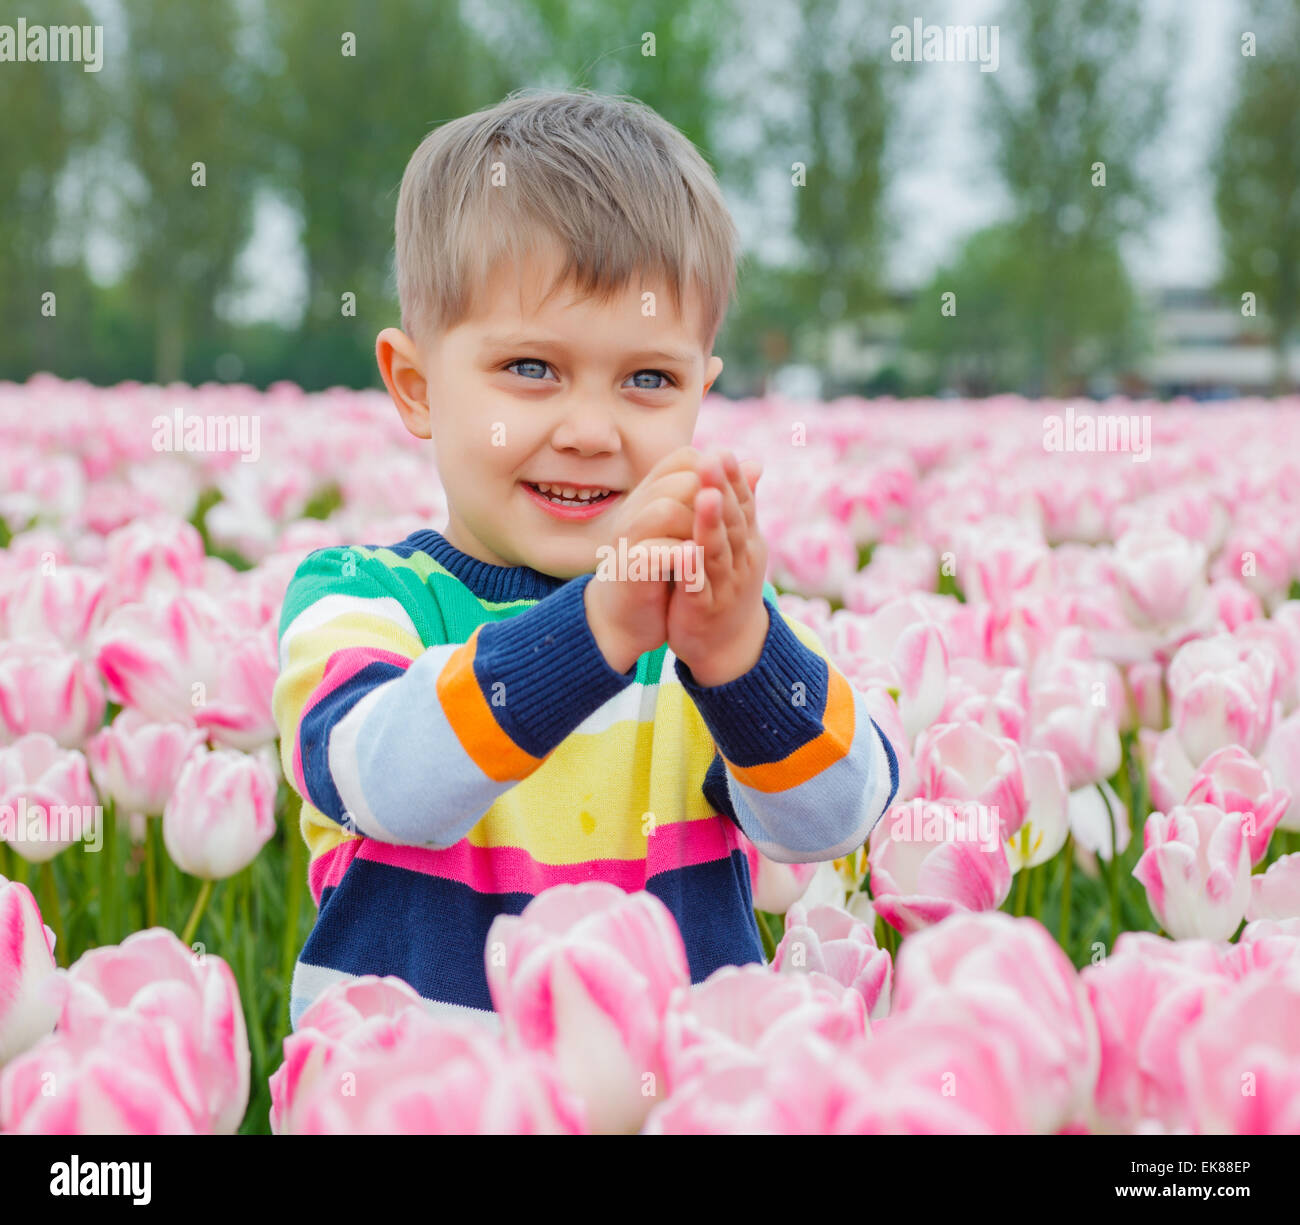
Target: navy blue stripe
[(776, 707), (317, 723), (431, 932)]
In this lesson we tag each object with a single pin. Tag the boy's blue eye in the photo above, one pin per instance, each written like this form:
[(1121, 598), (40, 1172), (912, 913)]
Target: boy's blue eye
[(534, 368), (656, 374), (528, 362)]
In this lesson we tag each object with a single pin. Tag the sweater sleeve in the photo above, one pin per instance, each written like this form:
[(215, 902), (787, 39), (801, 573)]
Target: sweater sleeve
[(407, 739), (801, 767)]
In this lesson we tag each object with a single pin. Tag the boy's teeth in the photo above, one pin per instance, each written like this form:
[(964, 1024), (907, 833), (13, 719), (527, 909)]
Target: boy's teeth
[(569, 493)]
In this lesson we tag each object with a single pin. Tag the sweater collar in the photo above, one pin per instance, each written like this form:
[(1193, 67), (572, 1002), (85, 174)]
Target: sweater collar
[(498, 584)]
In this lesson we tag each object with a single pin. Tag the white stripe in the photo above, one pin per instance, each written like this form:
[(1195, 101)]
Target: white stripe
[(343, 764), (309, 981), (324, 610)]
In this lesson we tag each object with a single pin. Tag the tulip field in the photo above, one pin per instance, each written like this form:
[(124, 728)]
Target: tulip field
[(1081, 914)]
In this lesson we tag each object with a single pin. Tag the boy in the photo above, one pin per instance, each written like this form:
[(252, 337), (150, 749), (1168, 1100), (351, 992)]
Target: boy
[(473, 715)]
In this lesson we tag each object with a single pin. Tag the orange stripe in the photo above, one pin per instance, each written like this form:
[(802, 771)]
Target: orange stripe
[(476, 727), (815, 756)]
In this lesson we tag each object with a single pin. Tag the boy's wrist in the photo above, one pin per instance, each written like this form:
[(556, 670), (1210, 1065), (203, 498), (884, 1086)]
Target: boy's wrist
[(617, 652)]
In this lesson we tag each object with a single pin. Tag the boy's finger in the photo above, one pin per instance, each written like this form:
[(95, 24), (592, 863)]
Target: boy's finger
[(711, 531)]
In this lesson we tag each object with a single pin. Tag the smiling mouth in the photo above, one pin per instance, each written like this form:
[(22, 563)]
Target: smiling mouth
[(571, 495)]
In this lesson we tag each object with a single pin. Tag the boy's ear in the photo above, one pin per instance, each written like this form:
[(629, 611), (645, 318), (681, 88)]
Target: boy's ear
[(712, 370), (400, 365)]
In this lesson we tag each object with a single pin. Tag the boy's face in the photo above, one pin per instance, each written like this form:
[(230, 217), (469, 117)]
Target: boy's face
[(573, 391)]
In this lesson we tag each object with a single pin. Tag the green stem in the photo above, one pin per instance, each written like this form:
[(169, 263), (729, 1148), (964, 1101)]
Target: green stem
[(1067, 872), (150, 872), (252, 1011), (293, 901), (769, 946), (51, 912), (200, 905), (1022, 891), (6, 868), (1112, 869), (1039, 884), (108, 878)]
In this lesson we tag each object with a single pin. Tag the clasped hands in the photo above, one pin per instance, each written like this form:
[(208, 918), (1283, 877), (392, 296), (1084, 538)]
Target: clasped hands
[(690, 501)]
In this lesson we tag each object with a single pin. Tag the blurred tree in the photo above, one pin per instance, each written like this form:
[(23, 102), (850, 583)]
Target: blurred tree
[(53, 113), (829, 150), (1257, 193), (1073, 109), (189, 97), (990, 343), (348, 113)]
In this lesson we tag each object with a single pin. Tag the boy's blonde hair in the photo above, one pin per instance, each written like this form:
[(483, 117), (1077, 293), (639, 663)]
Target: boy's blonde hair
[(620, 188)]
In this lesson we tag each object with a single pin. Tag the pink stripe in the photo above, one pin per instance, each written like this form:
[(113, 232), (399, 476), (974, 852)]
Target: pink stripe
[(353, 659), (510, 869), (327, 868)]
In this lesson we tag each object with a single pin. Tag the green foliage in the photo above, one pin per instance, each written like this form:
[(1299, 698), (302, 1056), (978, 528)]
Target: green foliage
[(1257, 189)]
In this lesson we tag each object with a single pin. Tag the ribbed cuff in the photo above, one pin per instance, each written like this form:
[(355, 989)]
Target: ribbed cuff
[(551, 666), (774, 708)]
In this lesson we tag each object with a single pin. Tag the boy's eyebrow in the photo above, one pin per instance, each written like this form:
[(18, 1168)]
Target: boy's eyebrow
[(522, 340)]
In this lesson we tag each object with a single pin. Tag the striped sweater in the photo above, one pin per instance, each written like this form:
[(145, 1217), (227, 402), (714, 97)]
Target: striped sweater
[(461, 744)]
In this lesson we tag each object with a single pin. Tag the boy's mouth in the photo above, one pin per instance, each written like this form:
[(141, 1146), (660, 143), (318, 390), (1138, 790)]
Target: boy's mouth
[(571, 501)]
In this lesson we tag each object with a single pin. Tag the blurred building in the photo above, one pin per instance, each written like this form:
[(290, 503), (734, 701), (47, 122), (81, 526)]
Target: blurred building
[(1202, 347)]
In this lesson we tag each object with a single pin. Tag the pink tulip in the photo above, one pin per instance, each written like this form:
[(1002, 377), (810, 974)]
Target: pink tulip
[(1002, 558), (351, 1014), (367, 1058), (894, 570), (829, 940), (1282, 757), (46, 800), (583, 976), (1169, 772), (1144, 1001), (46, 688), (931, 859), (921, 1077), (221, 813), (152, 975), (1196, 870), (1241, 1062), (27, 964), (162, 552), (132, 1077), (64, 603), (1008, 974), (1223, 692), (1161, 576), (963, 761), (819, 557), (1256, 555), (1275, 894), (1047, 813), (1231, 779), (995, 698), (747, 1014), (180, 659), (138, 762), (775, 887), (1146, 708)]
